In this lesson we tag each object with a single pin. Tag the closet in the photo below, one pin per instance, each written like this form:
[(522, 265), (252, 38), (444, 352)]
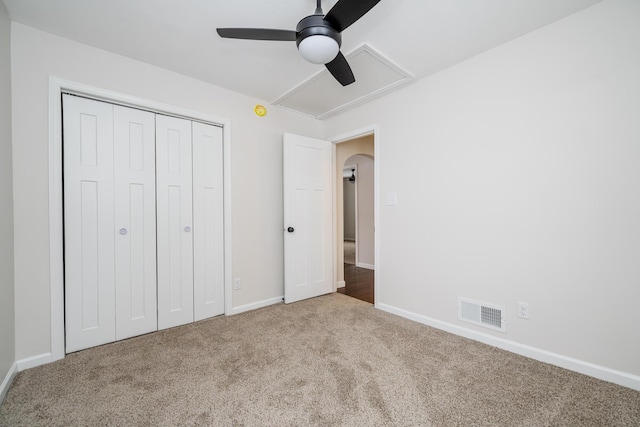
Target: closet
[(143, 221)]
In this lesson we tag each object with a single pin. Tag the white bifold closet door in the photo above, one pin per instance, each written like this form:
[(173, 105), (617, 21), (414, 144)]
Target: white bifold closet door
[(208, 241), (109, 202), (144, 239), (190, 221), (175, 221), (134, 197)]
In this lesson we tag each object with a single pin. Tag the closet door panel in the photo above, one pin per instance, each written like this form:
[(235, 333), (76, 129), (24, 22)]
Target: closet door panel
[(208, 239), (174, 221), (135, 218), (89, 223)]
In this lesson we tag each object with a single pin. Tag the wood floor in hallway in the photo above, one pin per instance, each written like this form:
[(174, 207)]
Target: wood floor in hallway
[(359, 283)]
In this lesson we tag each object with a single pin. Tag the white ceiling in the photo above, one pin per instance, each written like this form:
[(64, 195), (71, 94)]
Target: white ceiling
[(420, 36)]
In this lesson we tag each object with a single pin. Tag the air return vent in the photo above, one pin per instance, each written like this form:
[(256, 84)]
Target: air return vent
[(479, 313), (320, 96)]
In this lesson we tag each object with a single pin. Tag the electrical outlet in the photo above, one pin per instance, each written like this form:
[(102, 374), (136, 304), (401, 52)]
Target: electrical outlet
[(523, 310), (236, 284)]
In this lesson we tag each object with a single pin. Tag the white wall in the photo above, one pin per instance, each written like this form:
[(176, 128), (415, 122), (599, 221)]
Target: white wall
[(518, 179), (365, 198), (256, 166), (364, 187), (7, 338), (349, 208)]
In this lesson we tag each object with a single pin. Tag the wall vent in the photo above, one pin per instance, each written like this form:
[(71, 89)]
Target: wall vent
[(479, 313)]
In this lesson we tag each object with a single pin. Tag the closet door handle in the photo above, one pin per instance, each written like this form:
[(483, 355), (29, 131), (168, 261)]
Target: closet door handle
[(123, 231), (187, 229), (290, 230)]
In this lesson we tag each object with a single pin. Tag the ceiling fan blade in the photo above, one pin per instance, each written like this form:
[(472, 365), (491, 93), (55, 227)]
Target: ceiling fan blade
[(341, 70), (346, 12), (257, 34)]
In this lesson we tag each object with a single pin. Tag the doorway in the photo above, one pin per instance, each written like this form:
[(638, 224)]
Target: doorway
[(355, 205)]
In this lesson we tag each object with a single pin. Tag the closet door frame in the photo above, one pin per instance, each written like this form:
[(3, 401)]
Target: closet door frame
[(57, 87)]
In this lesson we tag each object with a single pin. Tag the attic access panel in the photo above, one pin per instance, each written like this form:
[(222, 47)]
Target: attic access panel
[(322, 96)]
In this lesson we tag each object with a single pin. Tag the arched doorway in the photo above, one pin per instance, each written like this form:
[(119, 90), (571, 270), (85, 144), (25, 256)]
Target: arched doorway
[(355, 218)]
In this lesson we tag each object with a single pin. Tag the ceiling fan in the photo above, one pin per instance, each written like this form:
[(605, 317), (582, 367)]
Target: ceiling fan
[(317, 36)]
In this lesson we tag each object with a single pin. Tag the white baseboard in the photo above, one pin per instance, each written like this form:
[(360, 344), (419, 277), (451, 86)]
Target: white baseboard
[(340, 284), (367, 266), (611, 375), (8, 380), (41, 359), (32, 362), (255, 305)]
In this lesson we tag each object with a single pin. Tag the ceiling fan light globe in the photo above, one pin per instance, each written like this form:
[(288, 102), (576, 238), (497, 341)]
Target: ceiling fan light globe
[(319, 49)]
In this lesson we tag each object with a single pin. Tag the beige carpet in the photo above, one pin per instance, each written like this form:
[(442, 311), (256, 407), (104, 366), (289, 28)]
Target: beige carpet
[(329, 361)]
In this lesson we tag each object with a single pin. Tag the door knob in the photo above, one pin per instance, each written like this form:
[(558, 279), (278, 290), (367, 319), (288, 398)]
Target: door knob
[(123, 231), (290, 229), (187, 229)]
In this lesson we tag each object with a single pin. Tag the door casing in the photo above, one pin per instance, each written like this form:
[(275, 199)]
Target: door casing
[(373, 129)]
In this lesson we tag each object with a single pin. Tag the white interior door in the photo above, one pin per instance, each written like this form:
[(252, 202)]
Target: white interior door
[(308, 212), (89, 223), (135, 220), (208, 223), (174, 221)]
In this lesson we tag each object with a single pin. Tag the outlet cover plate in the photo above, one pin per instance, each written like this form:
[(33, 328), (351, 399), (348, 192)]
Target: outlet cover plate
[(523, 310)]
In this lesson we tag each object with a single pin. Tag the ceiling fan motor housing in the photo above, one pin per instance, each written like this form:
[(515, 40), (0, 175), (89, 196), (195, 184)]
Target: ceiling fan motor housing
[(315, 25)]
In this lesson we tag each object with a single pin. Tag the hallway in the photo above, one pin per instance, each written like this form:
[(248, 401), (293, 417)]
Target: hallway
[(359, 283)]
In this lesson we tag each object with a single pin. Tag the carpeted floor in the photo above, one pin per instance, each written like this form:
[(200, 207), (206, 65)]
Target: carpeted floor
[(329, 361)]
